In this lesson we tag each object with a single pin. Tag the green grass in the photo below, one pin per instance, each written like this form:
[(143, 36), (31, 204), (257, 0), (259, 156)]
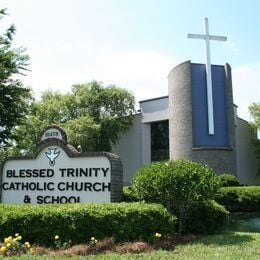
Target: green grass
[(229, 245)]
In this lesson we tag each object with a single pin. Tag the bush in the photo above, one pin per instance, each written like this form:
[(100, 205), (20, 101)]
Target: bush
[(240, 199), (203, 218), (206, 217), (80, 222), (129, 195), (228, 180), (176, 184)]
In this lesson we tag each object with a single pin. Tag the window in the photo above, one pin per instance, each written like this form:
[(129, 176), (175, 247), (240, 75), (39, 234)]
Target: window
[(160, 141)]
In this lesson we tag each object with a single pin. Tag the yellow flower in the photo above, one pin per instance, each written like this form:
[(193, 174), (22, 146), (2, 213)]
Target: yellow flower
[(31, 251), (8, 240), (56, 237), (27, 244), (92, 239), (17, 234), (3, 249), (19, 238), (8, 244), (96, 241), (158, 235)]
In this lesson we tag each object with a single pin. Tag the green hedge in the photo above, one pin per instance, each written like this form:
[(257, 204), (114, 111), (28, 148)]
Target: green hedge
[(206, 218), (228, 180), (129, 195), (80, 222), (240, 199)]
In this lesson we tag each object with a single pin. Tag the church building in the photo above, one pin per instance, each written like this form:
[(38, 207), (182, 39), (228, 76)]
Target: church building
[(178, 126), (197, 121)]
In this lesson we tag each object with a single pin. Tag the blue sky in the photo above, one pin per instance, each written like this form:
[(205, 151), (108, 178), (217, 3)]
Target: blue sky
[(135, 43)]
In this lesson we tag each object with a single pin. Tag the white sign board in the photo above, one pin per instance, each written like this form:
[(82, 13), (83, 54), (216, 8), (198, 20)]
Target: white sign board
[(54, 177)]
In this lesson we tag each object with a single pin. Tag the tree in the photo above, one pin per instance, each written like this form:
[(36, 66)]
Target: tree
[(92, 115), (254, 110), (14, 98), (112, 108), (179, 185)]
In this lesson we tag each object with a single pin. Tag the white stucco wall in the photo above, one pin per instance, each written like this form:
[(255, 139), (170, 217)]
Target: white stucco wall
[(246, 160), (129, 148), (134, 145)]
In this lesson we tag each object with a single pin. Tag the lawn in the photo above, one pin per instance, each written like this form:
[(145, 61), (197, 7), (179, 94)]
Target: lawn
[(228, 245)]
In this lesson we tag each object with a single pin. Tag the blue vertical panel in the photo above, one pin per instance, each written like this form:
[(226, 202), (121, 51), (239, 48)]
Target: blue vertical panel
[(201, 138)]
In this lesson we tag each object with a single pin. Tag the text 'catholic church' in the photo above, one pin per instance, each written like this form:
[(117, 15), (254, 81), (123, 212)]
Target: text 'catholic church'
[(193, 122)]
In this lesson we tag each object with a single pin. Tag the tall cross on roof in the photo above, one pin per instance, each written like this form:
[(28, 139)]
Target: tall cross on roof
[(207, 37)]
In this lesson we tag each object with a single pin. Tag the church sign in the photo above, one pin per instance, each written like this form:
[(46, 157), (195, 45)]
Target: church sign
[(58, 173)]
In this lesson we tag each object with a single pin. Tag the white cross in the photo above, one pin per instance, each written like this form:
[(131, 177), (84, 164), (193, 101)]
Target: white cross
[(207, 37)]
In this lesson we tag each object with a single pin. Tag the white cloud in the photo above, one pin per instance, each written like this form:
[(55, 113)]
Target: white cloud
[(144, 73), (65, 48), (246, 85)]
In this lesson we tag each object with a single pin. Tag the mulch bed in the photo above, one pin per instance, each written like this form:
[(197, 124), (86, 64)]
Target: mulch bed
[(108, 245)]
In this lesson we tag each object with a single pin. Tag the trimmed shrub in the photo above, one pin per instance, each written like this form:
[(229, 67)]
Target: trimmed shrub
[(240, 199), (80, 222), (228, 180), (203, 218), (129, 195), (176, 184), (207, 217)]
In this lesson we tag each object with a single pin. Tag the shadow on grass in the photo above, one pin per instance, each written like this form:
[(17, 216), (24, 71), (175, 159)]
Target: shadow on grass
[(244, 222), (237, 232)]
